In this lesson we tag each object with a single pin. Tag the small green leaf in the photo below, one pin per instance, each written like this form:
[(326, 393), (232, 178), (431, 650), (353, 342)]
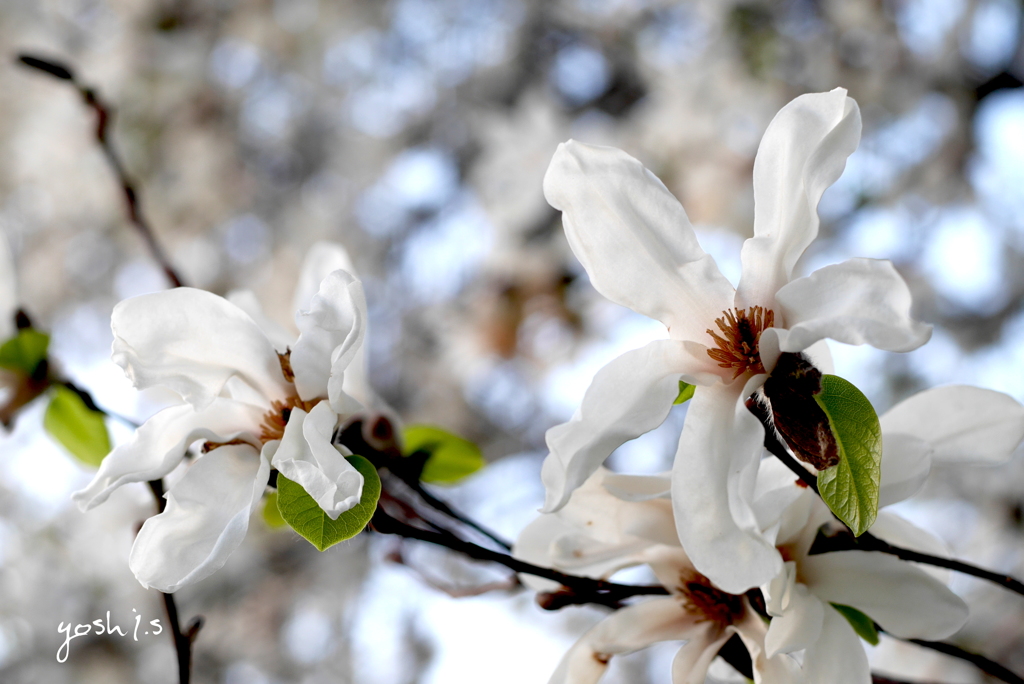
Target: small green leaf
[(851, 488), (861, 623), (451, 457), (307, 518), (81, 430), (24, 351), (271, 514), (686, 391)]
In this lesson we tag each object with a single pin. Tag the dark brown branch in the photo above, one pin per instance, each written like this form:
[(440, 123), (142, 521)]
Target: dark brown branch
[(869, 542), (577, 590), (182, 640), (104, 115), (987, 666)]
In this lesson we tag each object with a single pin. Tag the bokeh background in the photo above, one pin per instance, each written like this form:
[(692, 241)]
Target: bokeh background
[(416, 133)]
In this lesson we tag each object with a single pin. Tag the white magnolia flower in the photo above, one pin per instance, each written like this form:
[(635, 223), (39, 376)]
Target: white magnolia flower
[(904, 599), (256, 407), (597, 534), (637, 245), (954, 424)]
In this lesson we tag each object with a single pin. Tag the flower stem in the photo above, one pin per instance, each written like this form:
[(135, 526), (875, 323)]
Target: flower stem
[(103, 118), (577, 589), (182, 640)]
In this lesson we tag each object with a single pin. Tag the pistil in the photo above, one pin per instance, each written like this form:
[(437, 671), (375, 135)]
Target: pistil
[(736, 346), (709, 602)]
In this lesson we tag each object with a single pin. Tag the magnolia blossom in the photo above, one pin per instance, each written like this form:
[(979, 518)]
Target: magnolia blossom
[(255, 407), (596, 535), (636, 243), (616, 521)]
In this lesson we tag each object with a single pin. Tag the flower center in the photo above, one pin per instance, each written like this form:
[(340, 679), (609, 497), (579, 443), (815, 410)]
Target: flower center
[(736, 346), (275, 420), (708, 601)]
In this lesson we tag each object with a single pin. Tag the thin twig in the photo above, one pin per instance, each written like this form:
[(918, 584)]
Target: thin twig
[(182, 640), (446, 509), (987, 666), (869, 542), (104, 115), (583, 589)]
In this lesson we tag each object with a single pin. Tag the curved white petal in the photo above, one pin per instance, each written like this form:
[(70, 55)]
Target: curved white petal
[(634, 238), (837, 657), (306, 455), (160, 443), (691, 662), (331, 333), (322, 259), (624, 631), (906, 462), (246, 301), (776, 490), (798, 626), (802, 153), (638, 487), (860, 301), (905, 601), (960, 422), (768, 669), (899, 531), (206, 518), (718, 452), (631, 395), (193, 342)]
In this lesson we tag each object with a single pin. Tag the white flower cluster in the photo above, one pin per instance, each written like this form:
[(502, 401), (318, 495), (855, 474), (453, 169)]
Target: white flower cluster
[(740, 544), (727, 520)]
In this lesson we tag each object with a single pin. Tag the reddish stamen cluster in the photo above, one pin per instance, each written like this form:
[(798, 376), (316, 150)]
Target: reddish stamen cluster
[(708, 601), (736, 347), (275, 420)]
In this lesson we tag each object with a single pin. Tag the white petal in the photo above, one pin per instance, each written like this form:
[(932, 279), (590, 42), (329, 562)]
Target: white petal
[(906, 462), (246, 301), (690, 665), (192, 342), (776, 669), (307, 456), (322, 259), (905, 601), (837, 657), (961, 423), (721, 439), (802, 153), (206, 518), (160, 443), (638, 487), (634, 239), (775, 492), (799, 624), (628, 397), (901, 532), (860, 301), (331, 333), (624, 631)]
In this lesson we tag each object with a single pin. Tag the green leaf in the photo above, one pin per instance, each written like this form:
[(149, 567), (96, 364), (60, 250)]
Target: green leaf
[(851, 488), (271, 514), (81, 430), (451, 457), (861, 623), (24, 351), (686, 391), (307, 518)]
